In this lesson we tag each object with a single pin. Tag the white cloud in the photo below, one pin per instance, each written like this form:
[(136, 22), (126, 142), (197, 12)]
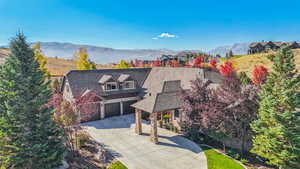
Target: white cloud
[(164, 35)]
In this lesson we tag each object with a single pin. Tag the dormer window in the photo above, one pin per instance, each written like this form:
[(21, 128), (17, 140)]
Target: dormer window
[(111, 86), (128, 85)]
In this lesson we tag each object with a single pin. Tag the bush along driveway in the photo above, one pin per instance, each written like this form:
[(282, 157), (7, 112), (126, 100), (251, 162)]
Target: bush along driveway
[(138, 152)]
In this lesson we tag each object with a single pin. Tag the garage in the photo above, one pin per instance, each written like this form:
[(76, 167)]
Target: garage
[(112, 109), (127, 108)]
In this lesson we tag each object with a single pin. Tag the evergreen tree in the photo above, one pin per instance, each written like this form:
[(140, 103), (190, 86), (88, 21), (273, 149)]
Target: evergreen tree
[(278, 126), (229, 54), (29, 137), (83, 63), (244, 78), (40, 58)]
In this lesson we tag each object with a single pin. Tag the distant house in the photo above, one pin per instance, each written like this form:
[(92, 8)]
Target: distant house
[(148, 89), (261, 47)]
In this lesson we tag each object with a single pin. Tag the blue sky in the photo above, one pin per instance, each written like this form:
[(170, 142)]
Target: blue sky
[(176, 24)]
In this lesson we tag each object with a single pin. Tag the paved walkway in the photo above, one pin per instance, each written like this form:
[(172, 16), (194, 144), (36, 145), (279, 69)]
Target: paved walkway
[(137, 152)]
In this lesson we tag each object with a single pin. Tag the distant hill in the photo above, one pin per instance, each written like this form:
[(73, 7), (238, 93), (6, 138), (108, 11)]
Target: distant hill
[(237, 49), (102, 54), (110, 55), (56, 66), (246, 63)]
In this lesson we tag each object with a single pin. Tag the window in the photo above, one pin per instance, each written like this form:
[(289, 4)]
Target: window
[(111, 86), (128, 85)]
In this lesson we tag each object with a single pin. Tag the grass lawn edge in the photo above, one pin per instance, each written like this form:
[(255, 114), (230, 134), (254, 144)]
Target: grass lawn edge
[(218, 151)]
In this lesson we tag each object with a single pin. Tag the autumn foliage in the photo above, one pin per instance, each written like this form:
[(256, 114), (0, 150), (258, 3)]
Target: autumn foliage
[(227, 110), (198, 61), (259, 75), (226, 69), (156, 63), (187, 64), (68, 115), (174, 63), (213, 63)]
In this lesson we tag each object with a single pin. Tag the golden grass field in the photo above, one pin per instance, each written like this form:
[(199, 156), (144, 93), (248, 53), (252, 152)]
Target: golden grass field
[(56, 66), (59, 67), (246, 63)]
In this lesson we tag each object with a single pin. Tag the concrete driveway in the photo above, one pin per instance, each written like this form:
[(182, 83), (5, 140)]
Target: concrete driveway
[(137, 152)]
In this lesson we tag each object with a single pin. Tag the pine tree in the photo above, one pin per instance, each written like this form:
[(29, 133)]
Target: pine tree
[(244, 78), (40, 58), (83, 63), (29, 137), (278, 126)]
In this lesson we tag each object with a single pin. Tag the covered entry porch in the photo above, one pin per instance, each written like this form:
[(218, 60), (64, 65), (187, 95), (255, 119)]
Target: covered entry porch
[(157, 104)]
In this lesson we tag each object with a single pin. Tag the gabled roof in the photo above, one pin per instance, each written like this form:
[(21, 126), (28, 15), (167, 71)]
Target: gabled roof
[(168, 99), (158, 75), (254, 44), (80, 80), (123, 77), (105, 78)]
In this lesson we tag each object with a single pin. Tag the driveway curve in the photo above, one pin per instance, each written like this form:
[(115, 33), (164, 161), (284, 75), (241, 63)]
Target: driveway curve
[(137, 152)]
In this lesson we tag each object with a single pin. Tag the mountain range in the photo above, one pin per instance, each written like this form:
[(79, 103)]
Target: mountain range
[(237, 49), (110, 55)]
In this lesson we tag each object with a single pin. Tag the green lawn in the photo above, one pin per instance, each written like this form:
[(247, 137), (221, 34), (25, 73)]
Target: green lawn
[(217, 160), (117, 165)]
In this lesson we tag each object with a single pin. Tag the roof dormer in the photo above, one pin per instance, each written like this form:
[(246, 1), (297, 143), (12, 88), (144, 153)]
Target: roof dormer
[(108, 83)]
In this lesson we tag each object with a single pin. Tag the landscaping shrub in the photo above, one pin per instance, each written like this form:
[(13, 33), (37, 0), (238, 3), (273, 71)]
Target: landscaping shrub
[(117, 165), (244, 160), (145, 116), (82, 139), (192, 132), (233, 154)]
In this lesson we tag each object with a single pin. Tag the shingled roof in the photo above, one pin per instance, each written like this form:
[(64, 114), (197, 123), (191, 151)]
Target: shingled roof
[(168, 99), (164, 83), (81, 80), (158, 75), (278, 44)]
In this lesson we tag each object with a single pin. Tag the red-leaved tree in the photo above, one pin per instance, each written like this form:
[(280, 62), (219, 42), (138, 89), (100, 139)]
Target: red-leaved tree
[(213, 63), (198, 61), (241, 108), (156, 63), (259, 75), (174, 63), (187, 64), (226, 69), (226, 111), (69, 115)]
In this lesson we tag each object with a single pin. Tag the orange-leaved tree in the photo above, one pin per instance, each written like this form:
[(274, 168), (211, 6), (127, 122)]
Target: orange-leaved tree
[(156, 63), (213, 63), (174, 63), (259, 75), (198, 61), (227, 69)]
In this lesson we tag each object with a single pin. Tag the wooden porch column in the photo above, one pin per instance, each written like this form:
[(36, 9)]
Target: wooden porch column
[(138, 121), (153, 134)]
